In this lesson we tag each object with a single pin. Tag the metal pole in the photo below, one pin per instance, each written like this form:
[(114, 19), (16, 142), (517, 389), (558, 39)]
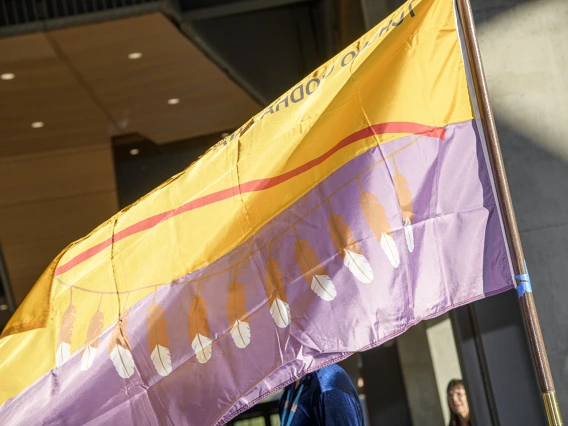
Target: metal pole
[(528, 306)]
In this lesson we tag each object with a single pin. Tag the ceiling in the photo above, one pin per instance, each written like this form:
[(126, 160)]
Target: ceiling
[(82, 85), (44, 89), (134, 93)]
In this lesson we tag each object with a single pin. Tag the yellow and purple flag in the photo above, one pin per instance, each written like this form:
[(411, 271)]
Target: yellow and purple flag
[(356, 205)]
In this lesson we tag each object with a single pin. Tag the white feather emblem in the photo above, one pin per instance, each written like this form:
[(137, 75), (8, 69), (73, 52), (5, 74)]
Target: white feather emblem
[(409, 233), (359, 266), (276, 293), (64, 336), (93, 336), (162, 360), (377, 219), (202, 346), (63, 354), (389, 247), (237, 314), (158, 339), (348, 248), (313, 270), (119, 347), (323, 287), (123, 361), (404, 196), (88, 358), (199, 332), (240, 332), (280, 312)]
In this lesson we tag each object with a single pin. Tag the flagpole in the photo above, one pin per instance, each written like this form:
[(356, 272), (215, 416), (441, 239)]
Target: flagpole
[(540, 358)]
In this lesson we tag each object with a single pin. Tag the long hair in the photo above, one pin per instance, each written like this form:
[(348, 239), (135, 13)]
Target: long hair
[(454, 383)]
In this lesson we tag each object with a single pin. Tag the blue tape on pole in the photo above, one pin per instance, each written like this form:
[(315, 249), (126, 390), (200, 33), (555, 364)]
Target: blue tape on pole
[(524, 286), (524, 282)]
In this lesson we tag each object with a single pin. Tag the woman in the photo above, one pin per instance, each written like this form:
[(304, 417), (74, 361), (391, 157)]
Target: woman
[(457, 400)]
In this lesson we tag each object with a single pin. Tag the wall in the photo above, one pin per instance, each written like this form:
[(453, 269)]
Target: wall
[(523, 45), (49, 200)]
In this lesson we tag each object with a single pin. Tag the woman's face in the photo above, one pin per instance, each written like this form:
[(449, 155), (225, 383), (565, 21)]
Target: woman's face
[(458, 401)]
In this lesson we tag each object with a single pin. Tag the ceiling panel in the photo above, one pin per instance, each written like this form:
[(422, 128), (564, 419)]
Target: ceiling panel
[(44, 89), (135, 92)]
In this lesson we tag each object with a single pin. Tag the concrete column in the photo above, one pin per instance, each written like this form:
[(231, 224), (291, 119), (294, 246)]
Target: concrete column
[(444, 357), (419, 378), (386, 396)]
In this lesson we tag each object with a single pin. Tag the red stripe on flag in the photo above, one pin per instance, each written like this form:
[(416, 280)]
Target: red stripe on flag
[(254, 185)]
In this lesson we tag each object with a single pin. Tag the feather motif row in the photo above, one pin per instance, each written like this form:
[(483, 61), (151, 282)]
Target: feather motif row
[(310, 266)]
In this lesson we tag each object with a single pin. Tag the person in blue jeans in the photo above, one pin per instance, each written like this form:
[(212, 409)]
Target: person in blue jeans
[(323, 398)]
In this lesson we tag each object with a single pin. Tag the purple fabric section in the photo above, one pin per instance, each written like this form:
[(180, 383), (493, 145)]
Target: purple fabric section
[(459, 256)]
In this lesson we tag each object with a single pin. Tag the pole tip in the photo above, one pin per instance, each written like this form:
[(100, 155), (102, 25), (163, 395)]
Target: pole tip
[(552, 409)]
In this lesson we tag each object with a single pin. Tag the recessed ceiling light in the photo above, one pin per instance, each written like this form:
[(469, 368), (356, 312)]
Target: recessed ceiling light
[(7, 76), (360, 382), (173, 101), (224, 135), (37, 124), (134, 151), (3, 307), (134, 55)]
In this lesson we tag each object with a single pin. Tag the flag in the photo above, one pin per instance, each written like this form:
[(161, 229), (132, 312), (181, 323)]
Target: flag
[(357, 204)]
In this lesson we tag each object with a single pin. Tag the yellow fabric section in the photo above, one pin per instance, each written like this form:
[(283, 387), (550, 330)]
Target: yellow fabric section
[(407, 69)]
